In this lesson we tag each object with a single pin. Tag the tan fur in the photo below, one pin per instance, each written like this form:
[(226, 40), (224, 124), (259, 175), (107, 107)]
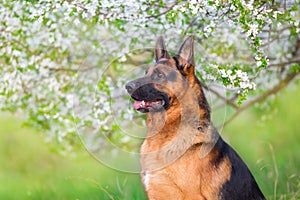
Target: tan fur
[(178, 150), (183, 156), (177, 181)]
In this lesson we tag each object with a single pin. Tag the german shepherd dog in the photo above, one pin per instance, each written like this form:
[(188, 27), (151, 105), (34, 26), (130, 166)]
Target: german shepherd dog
[(183, 156)]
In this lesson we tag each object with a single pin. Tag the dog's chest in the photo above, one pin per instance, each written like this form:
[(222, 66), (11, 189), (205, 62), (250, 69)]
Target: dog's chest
[(181, 174), (146, 179)]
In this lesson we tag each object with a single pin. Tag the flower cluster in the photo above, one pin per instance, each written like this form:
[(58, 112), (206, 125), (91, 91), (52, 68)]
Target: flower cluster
[(236, 79), (58, 58)]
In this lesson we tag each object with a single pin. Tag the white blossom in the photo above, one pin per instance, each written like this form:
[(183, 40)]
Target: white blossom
[(253, 31), (237, 77), (54, 53)]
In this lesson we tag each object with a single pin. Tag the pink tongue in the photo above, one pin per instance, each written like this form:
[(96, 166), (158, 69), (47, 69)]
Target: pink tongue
[(137, 104), (146, 104)]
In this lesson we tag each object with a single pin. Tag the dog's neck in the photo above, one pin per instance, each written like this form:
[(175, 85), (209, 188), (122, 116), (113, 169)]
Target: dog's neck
[(165, 144), (173, 132), (190, 108)]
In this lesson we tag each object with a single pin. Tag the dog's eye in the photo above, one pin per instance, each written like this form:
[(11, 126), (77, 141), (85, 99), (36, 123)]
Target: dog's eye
[(158, 74)]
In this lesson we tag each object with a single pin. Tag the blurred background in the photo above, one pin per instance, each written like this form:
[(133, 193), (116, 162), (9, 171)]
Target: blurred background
[(68, 129), (269, 142)]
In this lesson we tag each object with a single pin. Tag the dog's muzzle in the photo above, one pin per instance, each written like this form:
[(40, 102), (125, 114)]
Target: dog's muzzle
[(146, 97)]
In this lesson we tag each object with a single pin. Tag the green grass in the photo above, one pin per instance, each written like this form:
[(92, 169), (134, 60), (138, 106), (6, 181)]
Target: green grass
[(271, 147), (30, 170)]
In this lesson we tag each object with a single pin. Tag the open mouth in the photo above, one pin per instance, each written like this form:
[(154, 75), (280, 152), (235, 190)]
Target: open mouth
[(146, 106)]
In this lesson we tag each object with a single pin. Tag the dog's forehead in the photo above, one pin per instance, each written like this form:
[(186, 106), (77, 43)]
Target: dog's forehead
[(167, 65)]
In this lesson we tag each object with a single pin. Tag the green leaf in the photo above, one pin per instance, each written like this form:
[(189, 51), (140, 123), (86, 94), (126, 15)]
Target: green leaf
[(294, 68)]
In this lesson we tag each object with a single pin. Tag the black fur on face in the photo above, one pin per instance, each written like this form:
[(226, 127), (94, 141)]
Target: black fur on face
[(152, 92), (148, 93), (147, 97)]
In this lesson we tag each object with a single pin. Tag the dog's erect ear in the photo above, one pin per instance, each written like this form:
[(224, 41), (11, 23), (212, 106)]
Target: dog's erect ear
[(160, 50), (186, 54)]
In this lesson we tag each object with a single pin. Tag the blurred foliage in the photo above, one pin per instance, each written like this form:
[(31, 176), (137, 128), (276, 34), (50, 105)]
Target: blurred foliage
[(65, 63), (30, 170), (268, 141), (63, 66)]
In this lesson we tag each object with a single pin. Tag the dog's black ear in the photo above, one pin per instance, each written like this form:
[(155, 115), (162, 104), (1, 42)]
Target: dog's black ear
[(185, 55), (160, 50)]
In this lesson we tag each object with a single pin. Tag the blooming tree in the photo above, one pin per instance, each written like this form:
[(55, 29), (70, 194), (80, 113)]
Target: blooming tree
[(63, 64)]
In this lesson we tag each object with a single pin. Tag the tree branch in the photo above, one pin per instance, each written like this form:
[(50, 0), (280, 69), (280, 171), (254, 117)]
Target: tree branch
[(24, 46), (281, 64), (279, 32), (282, 84), (227, 101), (71, 70), (163, 13), (190, 25), (232, 99)]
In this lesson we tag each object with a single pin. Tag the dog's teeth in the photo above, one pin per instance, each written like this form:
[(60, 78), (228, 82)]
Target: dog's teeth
[(142, 104)]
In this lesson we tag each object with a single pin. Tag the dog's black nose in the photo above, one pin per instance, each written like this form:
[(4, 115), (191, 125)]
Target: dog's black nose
[(130, 87)]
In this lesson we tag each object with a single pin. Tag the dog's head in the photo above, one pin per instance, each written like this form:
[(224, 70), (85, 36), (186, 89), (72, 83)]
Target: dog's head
[(165, 81)]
